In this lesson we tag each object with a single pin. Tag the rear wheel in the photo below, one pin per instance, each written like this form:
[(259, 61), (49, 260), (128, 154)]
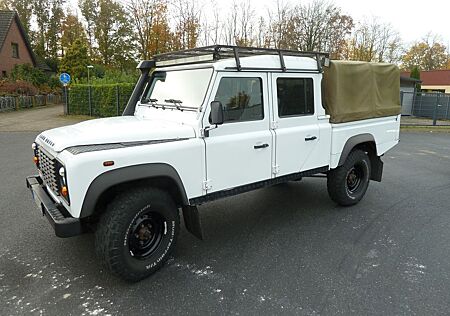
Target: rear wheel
[(348, 183), (137, 233)]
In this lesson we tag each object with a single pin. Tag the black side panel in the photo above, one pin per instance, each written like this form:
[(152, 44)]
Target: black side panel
[(257, 185), (126, 174), (351, 143)]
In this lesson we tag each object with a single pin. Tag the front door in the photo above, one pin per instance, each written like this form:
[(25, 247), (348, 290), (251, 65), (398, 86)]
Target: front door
[(239, 151)]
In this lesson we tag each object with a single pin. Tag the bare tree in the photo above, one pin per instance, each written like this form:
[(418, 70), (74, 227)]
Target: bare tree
[(246, 24), (280, 31), (229, 28), (320, 26), (374, 41), (187, 29)]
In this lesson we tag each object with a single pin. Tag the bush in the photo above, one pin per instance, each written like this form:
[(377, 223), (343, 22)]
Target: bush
[(26, 79), (106, 100), (17, 88), (102, 76), (26, 72)]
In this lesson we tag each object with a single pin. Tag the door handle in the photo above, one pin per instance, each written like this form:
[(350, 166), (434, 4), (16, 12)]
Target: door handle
[(307, 139), (261, 146)]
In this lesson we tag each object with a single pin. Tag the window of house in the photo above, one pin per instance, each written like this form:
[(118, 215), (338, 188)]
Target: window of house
[(295, 96), (15, 50), (241, 98), (3, 73)]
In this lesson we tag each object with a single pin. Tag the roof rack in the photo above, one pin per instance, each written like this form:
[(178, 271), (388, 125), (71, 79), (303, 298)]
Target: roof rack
[(217, 52)]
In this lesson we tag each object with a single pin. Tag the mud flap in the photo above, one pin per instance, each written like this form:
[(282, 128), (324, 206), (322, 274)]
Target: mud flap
[(192, 221), (377, 168)]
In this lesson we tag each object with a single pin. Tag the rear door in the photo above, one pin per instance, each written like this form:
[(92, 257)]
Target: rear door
[(296, 127), (239, 151)]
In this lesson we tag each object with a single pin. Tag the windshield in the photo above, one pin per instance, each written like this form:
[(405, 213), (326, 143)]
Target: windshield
[(182, 88)]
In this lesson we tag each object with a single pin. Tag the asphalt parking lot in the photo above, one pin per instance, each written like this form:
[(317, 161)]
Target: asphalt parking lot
[(282, 250)]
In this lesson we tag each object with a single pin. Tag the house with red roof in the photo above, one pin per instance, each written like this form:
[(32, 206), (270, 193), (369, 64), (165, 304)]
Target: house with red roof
[(434, 80)]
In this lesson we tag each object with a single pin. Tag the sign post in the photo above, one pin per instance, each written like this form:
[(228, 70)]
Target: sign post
[(65, 79)]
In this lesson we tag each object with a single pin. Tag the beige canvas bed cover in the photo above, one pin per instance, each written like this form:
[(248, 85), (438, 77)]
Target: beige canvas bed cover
[(355, 90)]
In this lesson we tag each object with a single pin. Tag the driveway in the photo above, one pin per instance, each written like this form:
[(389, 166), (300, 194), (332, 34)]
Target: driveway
[(36, 119), (286, 249)]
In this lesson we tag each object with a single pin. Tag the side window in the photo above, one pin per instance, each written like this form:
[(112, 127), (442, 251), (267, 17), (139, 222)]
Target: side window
[(295, 96), (241, 99), (15, 50)]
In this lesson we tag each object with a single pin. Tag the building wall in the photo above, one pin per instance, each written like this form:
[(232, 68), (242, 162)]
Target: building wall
[(7, 62), (407, 99), (434, 88)]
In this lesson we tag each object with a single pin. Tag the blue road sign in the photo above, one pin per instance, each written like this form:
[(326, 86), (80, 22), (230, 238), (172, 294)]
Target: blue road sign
[(64, 78)]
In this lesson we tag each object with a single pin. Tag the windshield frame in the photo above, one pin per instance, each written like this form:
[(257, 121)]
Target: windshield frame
[(153, 79)]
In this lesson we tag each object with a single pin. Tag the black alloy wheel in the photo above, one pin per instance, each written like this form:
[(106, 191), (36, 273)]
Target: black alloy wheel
[(146, 234)]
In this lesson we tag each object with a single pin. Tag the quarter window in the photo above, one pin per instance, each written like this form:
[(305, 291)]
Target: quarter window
[(15, 50), (241, 99), (295, 96)]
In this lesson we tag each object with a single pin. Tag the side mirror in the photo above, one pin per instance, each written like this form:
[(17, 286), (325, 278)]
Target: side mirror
[(216, 116)]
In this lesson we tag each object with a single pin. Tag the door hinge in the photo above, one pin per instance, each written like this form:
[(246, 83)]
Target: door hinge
[(207, 185), (273, 125), (276, 169)]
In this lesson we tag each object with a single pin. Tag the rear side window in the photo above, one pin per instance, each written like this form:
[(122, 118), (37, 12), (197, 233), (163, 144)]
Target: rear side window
[(241, 99), (295, 96)]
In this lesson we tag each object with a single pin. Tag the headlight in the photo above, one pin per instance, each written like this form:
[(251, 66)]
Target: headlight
[(62, 173), (63, 190)]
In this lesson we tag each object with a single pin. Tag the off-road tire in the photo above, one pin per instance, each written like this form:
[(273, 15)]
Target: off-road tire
[(338, 182), (114, 234)]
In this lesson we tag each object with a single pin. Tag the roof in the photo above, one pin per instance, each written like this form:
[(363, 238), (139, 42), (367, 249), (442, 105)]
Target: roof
[(404, 78), (433, 77), (6, 18), (41, 64)]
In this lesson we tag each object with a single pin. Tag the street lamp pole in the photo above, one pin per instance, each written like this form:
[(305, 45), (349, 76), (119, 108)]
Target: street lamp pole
[(89, 90), (89, 67)]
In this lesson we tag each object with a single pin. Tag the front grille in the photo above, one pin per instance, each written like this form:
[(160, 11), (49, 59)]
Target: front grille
[(47, 166)]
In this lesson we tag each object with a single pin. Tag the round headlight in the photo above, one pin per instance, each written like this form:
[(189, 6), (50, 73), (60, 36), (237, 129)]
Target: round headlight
[(34, 146), (62, 172)]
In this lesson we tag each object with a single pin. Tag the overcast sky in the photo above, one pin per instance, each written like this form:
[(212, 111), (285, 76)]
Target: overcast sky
[(413, 19)]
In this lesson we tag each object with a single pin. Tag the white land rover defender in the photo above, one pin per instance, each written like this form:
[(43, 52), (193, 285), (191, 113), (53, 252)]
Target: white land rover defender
[(208, 123)]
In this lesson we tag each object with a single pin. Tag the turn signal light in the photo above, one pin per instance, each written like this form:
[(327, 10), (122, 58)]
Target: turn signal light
[(35, 160), (64, 191), (108, 163)]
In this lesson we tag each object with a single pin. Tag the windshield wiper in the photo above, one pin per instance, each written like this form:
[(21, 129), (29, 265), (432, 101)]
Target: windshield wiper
[(177, 103), (171, 103), (152, 101)]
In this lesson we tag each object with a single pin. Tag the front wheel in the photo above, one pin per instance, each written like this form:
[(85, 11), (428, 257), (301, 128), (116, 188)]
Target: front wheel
[(137, 233), (348, 183)]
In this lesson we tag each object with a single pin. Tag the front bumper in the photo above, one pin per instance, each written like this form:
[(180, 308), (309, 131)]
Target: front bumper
[(64, 226)]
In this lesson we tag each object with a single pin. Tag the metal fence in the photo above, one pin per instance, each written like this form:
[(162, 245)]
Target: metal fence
[(9, 103), (425, 108)]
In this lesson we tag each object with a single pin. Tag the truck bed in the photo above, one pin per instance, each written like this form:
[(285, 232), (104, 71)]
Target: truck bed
[(384, 130)]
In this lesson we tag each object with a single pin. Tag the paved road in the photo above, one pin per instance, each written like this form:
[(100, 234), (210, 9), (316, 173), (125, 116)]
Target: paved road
[(281, 250), (36, 119)]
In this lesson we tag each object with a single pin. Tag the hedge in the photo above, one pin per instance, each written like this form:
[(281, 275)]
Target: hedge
[(105, 100)]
